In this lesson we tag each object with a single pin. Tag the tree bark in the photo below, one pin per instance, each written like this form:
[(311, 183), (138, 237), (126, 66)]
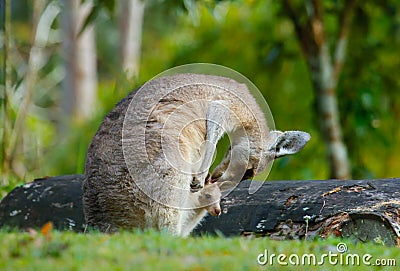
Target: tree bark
[(365, 210), (324, 75), (55, 199), (131, 13), (80, 83)]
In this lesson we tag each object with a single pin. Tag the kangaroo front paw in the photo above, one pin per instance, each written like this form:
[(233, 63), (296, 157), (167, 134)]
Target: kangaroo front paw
[(196, 184), (195, 187)]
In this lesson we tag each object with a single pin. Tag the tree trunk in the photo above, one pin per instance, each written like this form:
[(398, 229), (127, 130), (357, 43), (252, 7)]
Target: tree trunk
[(6, 82), (131, 14), (324, 75), (80, 83), (327, 111), (365, 210)]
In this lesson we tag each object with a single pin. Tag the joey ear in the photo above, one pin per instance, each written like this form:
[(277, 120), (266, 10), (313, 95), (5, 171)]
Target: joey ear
[(289, 142)]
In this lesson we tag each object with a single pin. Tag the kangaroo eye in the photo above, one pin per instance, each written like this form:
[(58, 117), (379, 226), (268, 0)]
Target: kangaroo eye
[(208, 196)]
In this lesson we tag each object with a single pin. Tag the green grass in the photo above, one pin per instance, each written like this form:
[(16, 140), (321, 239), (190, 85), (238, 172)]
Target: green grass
[(158, 251)]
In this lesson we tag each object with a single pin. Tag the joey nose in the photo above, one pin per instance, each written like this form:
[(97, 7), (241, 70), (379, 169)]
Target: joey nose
[(217, 211)]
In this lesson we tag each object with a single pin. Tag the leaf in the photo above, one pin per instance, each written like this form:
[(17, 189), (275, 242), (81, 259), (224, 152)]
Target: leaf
[(46, 229)]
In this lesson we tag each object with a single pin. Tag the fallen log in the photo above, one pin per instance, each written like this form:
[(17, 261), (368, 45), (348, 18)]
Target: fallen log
[(365, 210), (56, 199)]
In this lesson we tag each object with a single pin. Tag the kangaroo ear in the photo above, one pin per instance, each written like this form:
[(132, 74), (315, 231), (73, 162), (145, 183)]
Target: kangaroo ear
[(290, 142)]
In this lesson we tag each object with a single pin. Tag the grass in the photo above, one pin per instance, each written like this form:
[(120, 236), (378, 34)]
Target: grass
[(151, 250)]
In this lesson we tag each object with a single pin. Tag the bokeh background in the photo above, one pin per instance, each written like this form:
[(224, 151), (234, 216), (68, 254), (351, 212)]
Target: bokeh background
[(66, 63)]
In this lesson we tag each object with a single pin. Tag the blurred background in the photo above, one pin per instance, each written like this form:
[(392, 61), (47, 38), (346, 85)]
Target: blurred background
[(328, 67)]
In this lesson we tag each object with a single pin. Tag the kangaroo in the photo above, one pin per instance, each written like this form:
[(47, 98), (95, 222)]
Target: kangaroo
[(152, 153)]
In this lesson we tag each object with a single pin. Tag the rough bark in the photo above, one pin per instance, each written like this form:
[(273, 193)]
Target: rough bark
[(365, 210), (325, 72), (131, 14), (56, 199), (79, 53)]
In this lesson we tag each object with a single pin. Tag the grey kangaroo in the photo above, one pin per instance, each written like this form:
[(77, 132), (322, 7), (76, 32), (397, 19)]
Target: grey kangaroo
[(161, 180)]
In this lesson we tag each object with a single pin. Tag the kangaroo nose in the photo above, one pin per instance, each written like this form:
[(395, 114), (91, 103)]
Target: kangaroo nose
[(217, 211)]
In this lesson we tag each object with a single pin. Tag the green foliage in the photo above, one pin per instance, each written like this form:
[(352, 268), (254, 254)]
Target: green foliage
[(369, 91), (158, 251)]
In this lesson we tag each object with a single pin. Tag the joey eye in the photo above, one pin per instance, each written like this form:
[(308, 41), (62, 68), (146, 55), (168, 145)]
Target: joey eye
[(208, 196)]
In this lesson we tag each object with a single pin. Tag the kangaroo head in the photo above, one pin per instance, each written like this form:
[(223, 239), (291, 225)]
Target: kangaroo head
[(284, 143), (279, 144)]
